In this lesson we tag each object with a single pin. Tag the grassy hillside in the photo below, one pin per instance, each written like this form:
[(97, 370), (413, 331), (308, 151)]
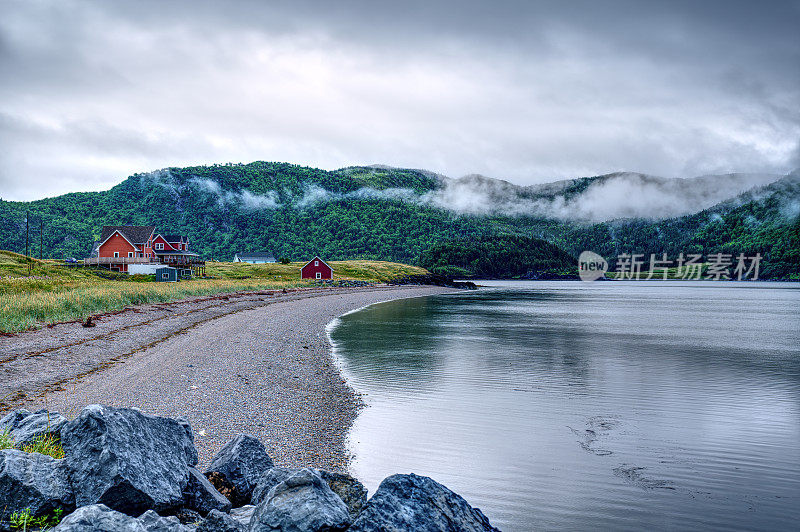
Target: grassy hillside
[(387, 214), (54, 293), (226, 209)]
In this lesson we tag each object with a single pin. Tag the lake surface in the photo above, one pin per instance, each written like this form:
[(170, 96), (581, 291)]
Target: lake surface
[(577, 406)]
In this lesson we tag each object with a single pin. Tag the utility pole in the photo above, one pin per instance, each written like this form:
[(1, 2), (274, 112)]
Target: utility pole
[(27, 242)]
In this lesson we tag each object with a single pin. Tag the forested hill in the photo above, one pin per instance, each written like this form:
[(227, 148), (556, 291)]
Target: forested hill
[(287, 209), (397, 214)]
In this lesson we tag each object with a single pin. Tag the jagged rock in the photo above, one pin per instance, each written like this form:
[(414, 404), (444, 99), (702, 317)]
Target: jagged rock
[(243, 514), (99, 518), (155, 523), (412, 502), (217, 521), (127, 460), (351, 491), (34, 481), (25, 426), (241, 462), (302, 502), (271, 478), (188, 517), (201, 496), (13, 419)]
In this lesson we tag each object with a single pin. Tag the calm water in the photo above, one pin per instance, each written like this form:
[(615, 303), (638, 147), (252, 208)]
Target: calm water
[(573, 406)]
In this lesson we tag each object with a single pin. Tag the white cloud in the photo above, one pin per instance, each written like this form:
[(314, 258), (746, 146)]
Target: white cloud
[(96, 91)]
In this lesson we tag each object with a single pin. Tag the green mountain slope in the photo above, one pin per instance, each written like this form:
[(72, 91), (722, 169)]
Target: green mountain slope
[(398, 214), (764, 220), (291, 210)]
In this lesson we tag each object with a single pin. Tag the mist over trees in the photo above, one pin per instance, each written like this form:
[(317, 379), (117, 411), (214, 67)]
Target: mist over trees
[(390, 214)]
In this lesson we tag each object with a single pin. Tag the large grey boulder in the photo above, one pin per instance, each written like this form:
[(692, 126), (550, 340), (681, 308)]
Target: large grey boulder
[(239, 465), (25, 427), (201, 496), (99, 518), (301, 503), (217, 521), (243, 515), (351, 491), (271, 478), (412, 502), (34, 481), (127, 460), (155, 523)]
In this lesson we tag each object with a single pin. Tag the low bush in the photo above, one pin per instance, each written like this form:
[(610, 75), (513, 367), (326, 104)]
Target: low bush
[(143, 278), (47, 444), (25, 521), (6, 442)]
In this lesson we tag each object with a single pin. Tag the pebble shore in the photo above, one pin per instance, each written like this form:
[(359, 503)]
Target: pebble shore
[(255, 363)]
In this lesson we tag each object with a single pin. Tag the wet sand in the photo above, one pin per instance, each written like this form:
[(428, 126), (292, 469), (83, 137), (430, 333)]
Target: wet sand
[(256, 362)]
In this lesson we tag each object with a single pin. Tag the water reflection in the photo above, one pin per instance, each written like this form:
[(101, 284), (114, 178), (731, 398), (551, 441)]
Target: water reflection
[(567, 405)]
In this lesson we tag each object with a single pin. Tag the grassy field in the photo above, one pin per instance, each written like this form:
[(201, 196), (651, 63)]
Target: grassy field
[(52, 293)]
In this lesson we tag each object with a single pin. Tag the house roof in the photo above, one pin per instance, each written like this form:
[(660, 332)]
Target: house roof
[(257, 255), (136, 234), (173, 238), (316, 257)]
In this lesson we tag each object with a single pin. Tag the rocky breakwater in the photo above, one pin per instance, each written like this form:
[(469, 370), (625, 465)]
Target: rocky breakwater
[(126, 470), (434, 280)]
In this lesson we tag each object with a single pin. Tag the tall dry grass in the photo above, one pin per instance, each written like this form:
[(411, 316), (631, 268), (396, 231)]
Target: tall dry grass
[(55, 293), (41, 303)]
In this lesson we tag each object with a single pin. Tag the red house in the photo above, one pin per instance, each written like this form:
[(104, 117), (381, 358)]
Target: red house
[(316, 268), (120, 246)]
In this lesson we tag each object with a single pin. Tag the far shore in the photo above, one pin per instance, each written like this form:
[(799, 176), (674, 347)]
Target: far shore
[(256, 363)]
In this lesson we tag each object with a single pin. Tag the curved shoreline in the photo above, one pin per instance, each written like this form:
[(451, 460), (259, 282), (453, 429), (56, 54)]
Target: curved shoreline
[(258, 365)]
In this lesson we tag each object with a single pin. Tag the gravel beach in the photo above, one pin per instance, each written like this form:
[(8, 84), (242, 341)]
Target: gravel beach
[(255, 362)]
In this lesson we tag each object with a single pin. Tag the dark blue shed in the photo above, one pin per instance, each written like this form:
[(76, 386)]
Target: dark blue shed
[(166, 275)]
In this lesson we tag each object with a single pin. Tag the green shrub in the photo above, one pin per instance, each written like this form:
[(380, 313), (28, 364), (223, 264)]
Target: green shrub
[(451, 271), (6, 442), (24, 520), (47, 444)]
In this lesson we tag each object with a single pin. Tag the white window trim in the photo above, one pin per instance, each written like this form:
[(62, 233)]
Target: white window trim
[(130, 254), (319, 275), (316, 263), (159, 246), (165, 276), (116, 254)]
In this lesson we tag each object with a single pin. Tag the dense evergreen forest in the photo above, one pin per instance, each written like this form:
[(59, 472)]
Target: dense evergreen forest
[(499, 256), (385, 213)]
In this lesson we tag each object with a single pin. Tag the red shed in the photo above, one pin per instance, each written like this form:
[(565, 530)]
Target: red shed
[(316, 268)]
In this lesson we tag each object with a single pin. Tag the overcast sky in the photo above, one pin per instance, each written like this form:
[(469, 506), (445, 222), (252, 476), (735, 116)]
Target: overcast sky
[(92, 92)]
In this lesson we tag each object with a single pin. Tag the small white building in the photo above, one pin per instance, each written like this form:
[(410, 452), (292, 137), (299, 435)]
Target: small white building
[(254, 258), (144, 269)]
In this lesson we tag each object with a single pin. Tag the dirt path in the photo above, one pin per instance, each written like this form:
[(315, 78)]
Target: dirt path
[(256, 363)]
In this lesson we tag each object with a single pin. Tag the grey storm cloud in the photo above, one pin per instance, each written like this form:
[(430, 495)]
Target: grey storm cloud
[(95, 91)]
